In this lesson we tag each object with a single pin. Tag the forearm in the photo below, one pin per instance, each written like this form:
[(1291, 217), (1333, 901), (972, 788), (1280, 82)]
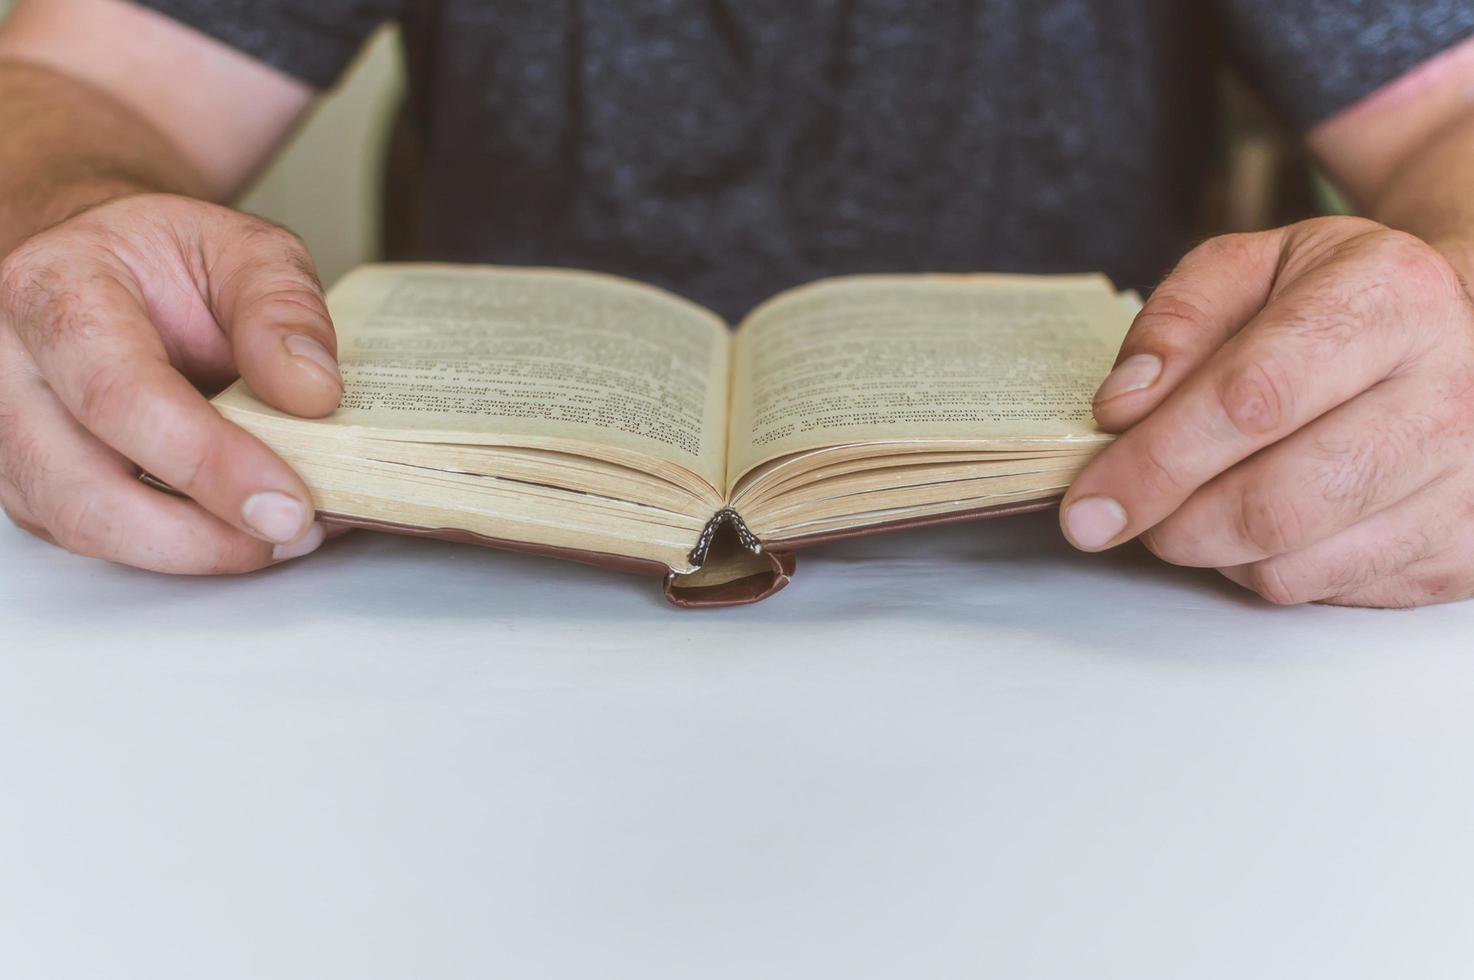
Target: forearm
[(69, 145)]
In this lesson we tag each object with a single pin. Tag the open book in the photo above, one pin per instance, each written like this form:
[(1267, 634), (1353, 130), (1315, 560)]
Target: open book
[(609, 421)]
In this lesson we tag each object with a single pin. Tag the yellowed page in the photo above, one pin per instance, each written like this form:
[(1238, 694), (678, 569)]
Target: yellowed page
[(542, 357), (975, 358), (363, 486)]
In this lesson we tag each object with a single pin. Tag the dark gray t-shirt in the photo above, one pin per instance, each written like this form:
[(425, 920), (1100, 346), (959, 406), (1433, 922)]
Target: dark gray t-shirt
[(731, 148)]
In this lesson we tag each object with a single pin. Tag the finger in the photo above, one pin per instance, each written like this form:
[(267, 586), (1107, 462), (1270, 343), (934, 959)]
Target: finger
[(74, 491), (1327, 337), (1207, 298), (1368, 454), (1381, 547), (20, 384), (1423, 583), (13, 503), (266, 296), (94, 345)]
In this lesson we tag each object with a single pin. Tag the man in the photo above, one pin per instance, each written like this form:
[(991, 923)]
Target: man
[(1297, 406)]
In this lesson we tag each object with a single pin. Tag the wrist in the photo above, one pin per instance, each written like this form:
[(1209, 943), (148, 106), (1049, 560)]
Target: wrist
[(63, 196), (70, 198), (1459, 251)]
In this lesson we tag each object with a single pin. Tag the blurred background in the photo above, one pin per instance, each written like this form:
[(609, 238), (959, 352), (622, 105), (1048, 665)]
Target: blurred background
[(328, 184)]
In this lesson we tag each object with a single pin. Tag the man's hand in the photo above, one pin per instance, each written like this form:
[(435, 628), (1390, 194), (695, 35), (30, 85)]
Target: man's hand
[(1297, 410), (111, 323)]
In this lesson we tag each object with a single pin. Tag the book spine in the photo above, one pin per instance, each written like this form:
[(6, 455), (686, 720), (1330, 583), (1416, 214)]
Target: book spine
[(725, 516)]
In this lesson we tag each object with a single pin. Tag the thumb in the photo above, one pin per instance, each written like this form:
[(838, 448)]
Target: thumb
[(1213, 292), (266, 296)]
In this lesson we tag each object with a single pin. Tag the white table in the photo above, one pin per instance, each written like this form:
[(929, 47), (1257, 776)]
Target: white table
[(961, 753)]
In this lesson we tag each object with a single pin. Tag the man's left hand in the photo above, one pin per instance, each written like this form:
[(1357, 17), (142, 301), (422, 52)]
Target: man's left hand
[(1297, 411)]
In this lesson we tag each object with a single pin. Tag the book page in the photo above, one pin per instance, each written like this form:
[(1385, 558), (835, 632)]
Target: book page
[(476, 353), (889, 358)]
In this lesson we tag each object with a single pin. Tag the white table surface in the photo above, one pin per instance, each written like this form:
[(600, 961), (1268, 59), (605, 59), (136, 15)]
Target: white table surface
[(959, 753)]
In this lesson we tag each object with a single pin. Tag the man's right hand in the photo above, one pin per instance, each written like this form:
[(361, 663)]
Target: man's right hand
[(111, 325)]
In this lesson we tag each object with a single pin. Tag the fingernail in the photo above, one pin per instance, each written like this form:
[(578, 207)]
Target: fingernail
[(1093, 521), (275, 516), (305, 545), (1136, 372), (300, 346)]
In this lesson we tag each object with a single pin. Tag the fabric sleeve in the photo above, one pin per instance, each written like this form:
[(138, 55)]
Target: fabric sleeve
[(313, 40), (1312, 58)]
